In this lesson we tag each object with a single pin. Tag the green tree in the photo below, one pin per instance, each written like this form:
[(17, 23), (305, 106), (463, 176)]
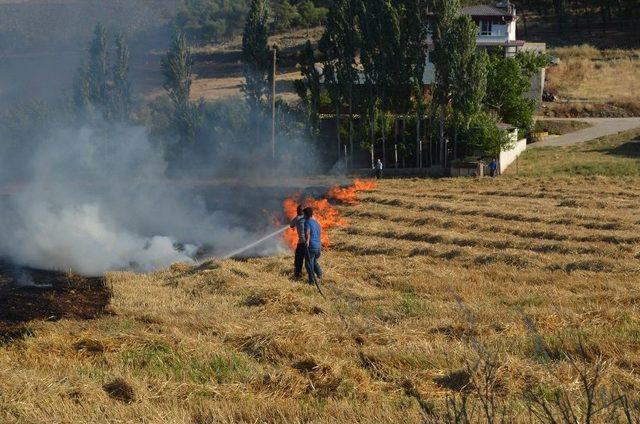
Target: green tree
[(309, 88), (414, 38), (99, 68), (177, 72), (121, 92), (380, 26), (444, 39), (82, 93), (311, 15), (339, 45), (256, 60), (211, 20), (507, 87), (369, 24), (484, 134), (285, 16), (91, 83), (468, 76)]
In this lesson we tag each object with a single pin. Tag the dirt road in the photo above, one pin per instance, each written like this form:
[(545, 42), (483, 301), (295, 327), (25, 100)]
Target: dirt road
[(601, 127)]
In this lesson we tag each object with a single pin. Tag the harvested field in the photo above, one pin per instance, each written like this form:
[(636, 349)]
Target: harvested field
[(521, 291), (531, 279)]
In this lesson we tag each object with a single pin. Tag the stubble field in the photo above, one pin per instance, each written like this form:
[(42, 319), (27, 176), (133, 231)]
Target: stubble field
[(512, 291)]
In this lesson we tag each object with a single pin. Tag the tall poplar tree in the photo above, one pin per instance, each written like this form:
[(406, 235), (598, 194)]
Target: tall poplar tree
[(415, 37), (177, 71), (257, 61), (99, 68), (91, 83), (339, 45), (468, 76), (121, 92), (444, 39), (309, 87), (369, 48)]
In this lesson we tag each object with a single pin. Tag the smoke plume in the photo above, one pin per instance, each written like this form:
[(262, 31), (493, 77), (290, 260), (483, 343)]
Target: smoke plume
[(97, 198)]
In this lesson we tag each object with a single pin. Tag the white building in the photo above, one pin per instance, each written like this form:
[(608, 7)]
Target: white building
[(497, 28)]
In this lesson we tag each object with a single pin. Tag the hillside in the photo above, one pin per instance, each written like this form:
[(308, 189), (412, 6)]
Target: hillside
[(434, 288), (67, 24)]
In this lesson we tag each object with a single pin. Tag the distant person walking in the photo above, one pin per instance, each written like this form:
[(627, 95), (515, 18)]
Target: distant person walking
[(378, 169), (313, 239), (301, 248), (493, 168)]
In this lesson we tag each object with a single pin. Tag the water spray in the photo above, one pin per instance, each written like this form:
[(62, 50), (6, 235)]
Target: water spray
[(256, 243)]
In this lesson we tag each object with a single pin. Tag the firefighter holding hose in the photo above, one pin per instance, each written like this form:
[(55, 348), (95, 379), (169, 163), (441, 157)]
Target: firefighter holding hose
[(301, 248), (313, 239)]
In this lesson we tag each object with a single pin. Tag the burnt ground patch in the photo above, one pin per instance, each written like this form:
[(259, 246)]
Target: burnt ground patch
[(28, 294)]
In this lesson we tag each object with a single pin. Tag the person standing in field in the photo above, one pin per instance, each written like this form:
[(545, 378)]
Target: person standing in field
[(493, 167), (378, 169), (313, 239), (301, 248)]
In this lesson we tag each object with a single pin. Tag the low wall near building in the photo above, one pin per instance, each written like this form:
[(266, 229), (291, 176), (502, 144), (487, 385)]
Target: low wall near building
[(507, 157)]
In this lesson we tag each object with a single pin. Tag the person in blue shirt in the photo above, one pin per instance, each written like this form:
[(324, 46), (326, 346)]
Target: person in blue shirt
[(493, 167), (313, 239), (301, 248)]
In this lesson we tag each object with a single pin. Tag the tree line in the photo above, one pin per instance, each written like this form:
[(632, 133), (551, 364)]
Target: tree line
[(214, 20), (373, 58), (370, 83), (565, 14)]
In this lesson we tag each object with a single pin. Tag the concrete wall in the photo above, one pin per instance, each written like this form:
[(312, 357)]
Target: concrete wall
[(507, 157), (537, 86)]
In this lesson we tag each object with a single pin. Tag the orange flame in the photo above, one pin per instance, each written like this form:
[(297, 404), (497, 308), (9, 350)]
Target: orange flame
[(349, 195), (323, 211)]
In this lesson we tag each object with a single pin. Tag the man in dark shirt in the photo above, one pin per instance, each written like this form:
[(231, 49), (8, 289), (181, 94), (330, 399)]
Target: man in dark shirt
[(301, 248), (493, 167), (313, 238)]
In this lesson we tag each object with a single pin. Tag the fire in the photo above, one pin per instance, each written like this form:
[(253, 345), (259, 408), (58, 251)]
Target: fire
[(349, 195), (323, 211)]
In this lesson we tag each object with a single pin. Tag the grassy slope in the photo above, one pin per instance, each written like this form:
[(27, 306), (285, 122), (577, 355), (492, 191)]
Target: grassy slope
[(617, 155), (538, 263)]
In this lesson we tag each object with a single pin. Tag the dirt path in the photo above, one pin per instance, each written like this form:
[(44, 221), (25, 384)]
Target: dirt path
[(601, 127)]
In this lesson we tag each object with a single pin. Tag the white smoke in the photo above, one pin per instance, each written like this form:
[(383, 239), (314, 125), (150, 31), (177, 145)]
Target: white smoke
[(97, 199)]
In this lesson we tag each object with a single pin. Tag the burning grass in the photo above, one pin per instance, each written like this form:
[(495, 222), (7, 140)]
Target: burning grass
[(324, 210), (522, 288)]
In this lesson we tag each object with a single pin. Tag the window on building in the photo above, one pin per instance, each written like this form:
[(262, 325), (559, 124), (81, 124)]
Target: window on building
[(485, 27)]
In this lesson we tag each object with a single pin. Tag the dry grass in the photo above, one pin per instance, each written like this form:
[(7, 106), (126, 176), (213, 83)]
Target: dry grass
[(436, 288), (595, 82), (560, 127), (586, 51)]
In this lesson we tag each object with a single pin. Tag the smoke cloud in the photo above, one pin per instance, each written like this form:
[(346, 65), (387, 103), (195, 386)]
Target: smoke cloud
[(97, 198)]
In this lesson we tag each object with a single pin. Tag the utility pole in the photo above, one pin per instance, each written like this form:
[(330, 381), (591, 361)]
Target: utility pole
[(273, 103)]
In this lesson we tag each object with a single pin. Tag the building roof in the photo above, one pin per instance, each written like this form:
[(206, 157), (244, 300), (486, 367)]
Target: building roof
[(486, 10)]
